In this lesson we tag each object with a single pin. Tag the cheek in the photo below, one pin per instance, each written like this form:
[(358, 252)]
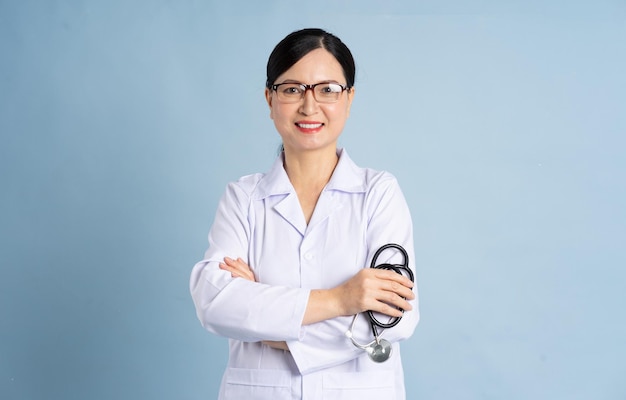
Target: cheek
[(282, 115), (337, 112)]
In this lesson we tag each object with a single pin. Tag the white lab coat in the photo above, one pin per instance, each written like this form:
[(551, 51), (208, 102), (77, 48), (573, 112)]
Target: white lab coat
[(260, 220)]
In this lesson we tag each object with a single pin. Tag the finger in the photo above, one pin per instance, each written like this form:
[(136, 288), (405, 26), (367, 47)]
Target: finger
[(247, 275), (239, 263), (239, 267), (400, 290), (231, 262), (394, 300), (245, 267), (392, 282), (231, 267), (236, 273), (393, 276), (393, 306), (236, 264), (384, 308), (228, 268)]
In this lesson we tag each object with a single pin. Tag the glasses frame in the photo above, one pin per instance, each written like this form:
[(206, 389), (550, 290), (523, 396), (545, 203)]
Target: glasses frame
[(312, 89)]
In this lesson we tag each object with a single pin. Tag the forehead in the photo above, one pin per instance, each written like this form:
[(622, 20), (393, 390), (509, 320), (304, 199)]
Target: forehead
[(317, 66)]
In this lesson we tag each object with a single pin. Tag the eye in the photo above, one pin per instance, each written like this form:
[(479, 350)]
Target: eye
[(291, 90), (329, 88)]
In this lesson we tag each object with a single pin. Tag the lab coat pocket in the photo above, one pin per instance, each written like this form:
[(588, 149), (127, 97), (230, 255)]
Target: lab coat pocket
[(370, 385), (242, 383)]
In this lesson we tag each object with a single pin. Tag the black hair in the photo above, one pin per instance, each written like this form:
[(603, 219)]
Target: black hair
[(299, 43)]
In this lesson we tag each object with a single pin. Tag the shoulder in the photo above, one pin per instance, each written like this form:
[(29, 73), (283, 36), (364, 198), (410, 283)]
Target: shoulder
[(350, 177), (381, 190), (381, 186), (246, 185), (375, 179)]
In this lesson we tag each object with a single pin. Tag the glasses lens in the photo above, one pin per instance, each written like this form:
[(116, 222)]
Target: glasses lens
[(327, 92), (294, 92), (289, 92)]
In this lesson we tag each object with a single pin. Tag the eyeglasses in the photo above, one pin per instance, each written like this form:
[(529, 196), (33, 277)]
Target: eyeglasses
[(324, 92)]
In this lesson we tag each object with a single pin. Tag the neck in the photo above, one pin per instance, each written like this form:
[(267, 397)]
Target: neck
[(311, 170)]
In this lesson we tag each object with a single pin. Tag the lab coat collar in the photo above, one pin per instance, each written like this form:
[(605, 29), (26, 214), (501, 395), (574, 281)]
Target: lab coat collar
[(275, 181), (347, 177)]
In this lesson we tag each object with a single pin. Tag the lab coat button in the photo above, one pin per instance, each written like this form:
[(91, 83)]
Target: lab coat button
[(308, 256)]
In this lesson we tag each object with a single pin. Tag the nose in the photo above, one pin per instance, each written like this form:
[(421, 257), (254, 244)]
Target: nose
[(309, 104)]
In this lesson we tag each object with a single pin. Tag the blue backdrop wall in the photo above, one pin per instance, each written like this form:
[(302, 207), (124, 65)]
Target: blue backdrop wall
[(122, 122)]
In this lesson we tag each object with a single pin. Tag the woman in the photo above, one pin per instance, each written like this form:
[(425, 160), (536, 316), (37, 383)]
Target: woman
[(289, 250)]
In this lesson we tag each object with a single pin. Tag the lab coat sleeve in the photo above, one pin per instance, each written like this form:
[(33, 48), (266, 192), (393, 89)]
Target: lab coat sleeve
[(325, 344), (235, 307)]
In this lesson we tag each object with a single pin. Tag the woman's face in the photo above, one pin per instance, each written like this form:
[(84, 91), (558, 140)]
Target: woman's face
[(308, 125)]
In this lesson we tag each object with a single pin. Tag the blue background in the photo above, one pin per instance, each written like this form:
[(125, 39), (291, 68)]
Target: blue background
[(121, 123)]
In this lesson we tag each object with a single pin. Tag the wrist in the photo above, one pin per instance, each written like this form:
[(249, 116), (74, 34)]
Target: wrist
[(335, 302), (323, 304)]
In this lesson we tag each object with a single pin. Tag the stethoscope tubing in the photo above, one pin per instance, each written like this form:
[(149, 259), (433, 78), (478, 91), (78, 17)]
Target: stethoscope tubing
[(374, 322), (397, 269)]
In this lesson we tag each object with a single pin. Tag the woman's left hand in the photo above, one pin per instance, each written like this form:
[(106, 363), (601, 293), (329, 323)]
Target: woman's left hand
[(238, 268)]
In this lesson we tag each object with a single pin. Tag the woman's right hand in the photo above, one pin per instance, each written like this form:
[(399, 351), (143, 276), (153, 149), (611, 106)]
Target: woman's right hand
[(375, 290)]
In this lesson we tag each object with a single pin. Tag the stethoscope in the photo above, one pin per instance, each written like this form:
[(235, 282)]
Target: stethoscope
[(379, 350)]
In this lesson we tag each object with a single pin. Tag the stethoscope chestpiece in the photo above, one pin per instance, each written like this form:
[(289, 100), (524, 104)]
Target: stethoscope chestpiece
[(380, 351)]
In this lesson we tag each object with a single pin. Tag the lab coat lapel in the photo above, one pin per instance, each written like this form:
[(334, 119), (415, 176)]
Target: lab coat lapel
[(347, 177), (289, 208), (323, 209), (276, 184)]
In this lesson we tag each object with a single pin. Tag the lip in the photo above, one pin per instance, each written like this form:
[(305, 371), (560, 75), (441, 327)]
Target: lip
[(309, 126)]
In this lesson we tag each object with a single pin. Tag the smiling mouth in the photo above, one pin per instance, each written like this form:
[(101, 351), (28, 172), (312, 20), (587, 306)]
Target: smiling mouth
[(309, 126)]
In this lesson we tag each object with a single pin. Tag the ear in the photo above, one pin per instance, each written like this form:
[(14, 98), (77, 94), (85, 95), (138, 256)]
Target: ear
[(268, 98)]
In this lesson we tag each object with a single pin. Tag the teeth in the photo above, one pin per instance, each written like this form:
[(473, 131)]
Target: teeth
[(309, 126)]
